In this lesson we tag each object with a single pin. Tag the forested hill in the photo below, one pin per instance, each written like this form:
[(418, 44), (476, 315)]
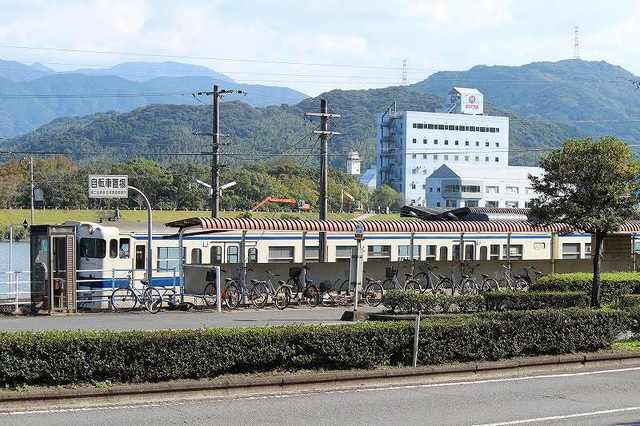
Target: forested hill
[(254, 133), (595, 96)]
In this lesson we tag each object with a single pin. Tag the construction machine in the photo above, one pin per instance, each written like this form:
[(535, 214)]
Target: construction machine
[(300, 205)]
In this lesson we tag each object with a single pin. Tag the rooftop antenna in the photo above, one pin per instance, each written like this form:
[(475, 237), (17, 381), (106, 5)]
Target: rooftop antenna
[(576, 43), (404, 72)]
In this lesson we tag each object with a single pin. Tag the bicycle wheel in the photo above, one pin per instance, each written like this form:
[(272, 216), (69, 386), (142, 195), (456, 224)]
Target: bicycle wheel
[(152, 300), (373, 294), (259, 295), (442, 285), (123, 299), (413, 285), (282, 297), (311, 295), (521, 284), (209, 295), (231, 296), (490, 284), (468, 286)]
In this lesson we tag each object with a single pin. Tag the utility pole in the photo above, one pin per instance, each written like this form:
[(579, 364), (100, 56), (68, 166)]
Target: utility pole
[(32, 188), (324, 133), (215, 144)]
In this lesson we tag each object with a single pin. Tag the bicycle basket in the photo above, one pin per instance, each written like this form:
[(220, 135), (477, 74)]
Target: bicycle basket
[(390, 272), (294, 272)]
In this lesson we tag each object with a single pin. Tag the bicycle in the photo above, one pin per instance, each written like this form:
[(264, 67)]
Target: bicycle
[(531, 275), (263, 289), (125, 299), (374, 292), (432, 281), (511, 282), (465, 284), (392, 282), (294, 290)]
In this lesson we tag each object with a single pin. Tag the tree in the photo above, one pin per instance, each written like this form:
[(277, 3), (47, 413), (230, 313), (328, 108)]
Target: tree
[(592, 186), (384, 197)]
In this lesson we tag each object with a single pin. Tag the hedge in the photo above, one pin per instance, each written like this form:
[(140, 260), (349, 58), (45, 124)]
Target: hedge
[(67, 357), (410, 301), (614, 284), (630, 301), (518, 300)]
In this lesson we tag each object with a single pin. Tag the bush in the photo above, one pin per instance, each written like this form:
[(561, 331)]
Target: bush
[(64, 357), (412, 301), (614, 284), (518, 300), (630, 301)]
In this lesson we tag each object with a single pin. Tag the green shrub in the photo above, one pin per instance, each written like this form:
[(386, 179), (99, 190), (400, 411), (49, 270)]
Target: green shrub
[(519, 300), (64, 357), (412, 301), (630, 301), (614, 284)]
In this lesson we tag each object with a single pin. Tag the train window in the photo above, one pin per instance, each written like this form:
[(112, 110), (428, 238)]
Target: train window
[(515, 251), (93, 248), (312, 252), (431, 252), (379, 251), (140, 257), (455, 252), (403, 252), (196, 256), (168, 258), (252, 255), (215, 254), (281, 254), (113, 249), (469, 251), (344, 252), (232, 254), (443, 254), (483, 253), (571, 250), (495, 252), (125, 248)]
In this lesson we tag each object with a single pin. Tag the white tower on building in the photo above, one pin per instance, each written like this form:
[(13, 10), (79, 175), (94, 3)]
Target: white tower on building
[(353, 163)]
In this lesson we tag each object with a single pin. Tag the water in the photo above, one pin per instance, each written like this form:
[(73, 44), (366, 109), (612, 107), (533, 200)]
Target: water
[(20, 256)]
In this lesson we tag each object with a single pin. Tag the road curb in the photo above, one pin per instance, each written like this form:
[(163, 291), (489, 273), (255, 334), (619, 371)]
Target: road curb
[(283, 381)]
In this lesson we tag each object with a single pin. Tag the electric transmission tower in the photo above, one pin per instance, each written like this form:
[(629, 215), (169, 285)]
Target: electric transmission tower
[(404, 72), (576, 43)]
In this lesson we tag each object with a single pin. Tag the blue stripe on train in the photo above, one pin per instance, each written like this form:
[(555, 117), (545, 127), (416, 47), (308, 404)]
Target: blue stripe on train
[(108, 283)]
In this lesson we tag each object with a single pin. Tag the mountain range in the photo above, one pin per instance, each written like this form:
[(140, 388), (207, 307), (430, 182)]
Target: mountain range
[(33, 95)]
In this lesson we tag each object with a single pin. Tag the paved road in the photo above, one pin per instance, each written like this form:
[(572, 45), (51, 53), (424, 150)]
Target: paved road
[(173, 319), (604, 397)]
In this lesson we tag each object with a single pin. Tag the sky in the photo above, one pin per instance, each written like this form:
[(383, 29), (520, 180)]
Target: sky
[(318, 46)]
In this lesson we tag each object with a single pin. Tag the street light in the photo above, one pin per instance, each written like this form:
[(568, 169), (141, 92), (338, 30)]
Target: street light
[(225, 186)]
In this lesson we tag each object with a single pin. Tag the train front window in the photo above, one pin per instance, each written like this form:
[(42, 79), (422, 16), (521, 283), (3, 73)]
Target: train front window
[(125, 248), (113, 249), (93, 248)]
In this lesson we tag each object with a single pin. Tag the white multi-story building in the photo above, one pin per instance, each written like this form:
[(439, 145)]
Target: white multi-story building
[(460, 185), (411, 145)]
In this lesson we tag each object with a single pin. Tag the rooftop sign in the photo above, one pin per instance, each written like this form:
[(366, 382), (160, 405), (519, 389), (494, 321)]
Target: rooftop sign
[(108, 186)]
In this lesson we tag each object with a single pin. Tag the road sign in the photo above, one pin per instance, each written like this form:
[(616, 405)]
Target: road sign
[(359, 231), (108, 186)]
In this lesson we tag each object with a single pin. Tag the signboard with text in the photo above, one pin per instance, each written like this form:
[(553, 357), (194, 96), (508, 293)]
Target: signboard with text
[(108, 186)]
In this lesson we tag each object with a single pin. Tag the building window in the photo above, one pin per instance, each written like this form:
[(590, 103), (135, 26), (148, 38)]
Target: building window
[(435, 156), (252, 255), (456, 143), (424, 156), (466, 143), (413, 185), (232, 254), (424, 141), (466, 158), (497, 160), (471, 203), (491, 204), (486, 158), (311, 253), (424, 186), (429, 126), (168, 259), (413, 156), (451, 203), (497, 144), (477, 143), (215, 253), (430, 189), (379, 251), (415, 125), (446, 157), (512, 190), (345, 252), (571, 250), (438, 189), (477, 158), (511, 204), (431, 252), (492, 189), (515, 251), (414, 140), (486, 144), (494, 253), (438, 204), (196, 256), (440, 126), (456, 158), (446, 142), (281, 254), (435, 141), (527, 204), (405, 250)]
